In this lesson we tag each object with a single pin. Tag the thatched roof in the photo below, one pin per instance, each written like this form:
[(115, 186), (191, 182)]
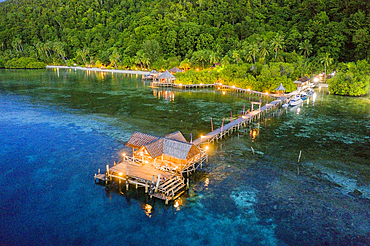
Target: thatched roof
[(171, 145), (280, 88), (178, 149), (175, 70), (139, 139), (166, 75), (155, 148), (304, 79), (176, 136), (154, 71)]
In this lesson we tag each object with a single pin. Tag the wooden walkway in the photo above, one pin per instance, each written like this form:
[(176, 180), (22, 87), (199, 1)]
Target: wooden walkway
[(167, 185), (218, 86), (246, 119), (236, 124)]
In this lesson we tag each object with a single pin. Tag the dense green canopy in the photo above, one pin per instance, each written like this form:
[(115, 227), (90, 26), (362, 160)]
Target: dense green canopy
[(162, 33), (268, 42)]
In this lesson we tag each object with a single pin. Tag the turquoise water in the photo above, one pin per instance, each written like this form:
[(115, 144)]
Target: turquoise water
[(59, 127)]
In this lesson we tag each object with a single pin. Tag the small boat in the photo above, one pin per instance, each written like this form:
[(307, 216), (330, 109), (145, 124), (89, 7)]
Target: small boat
[(285, 105), (303, 95), (295, 101)]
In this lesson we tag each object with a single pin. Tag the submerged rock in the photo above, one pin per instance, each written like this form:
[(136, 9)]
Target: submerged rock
[(356, 193)]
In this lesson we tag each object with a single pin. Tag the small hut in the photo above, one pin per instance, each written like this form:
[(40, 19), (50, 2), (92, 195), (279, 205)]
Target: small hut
[(152, 74), (175, 70), (302, 82), (280, 88), (166, 78), (171, 153)]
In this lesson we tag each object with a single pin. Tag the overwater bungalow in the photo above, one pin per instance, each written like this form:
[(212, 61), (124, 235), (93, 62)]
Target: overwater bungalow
[(165, 78), (157, 163), (171, 153), (152, 74)]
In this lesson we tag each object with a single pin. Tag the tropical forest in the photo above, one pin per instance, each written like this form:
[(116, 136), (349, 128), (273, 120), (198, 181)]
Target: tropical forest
[(248, 43)]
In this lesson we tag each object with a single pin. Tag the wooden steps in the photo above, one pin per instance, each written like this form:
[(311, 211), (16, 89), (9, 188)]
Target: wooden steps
[(169, 190)]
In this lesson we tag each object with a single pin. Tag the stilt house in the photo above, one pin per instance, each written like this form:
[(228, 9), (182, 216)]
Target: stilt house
[(170, 153)]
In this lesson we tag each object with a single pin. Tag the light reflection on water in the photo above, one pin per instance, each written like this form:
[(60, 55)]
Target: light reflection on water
[(67, 127)]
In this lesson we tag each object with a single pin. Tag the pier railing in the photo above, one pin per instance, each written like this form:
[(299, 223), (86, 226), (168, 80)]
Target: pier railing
[(133, 160)]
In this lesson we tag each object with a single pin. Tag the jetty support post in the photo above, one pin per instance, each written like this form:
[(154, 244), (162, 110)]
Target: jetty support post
[(127, 182), (107, 174), (299, 158), (158, 180)]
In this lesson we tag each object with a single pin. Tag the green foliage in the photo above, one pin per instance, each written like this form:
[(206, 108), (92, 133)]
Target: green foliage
[(352, 80), (24, 62), (196, 77), (268, 78), (163, 34), (246, 31)]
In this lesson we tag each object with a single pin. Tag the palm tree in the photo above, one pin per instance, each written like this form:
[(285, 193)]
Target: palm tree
[(225, 60), (213, 57), (327, 61), (185, 64), (114, 58), (264, 49), (277, 43), (236, 56), (306, 48), (79, 52), (201, 56), (252, 51), (58, 47)]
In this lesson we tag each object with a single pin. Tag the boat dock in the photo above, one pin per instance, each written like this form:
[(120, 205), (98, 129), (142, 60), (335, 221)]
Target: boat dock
[(157, 183), (160, 164), (217, 86)]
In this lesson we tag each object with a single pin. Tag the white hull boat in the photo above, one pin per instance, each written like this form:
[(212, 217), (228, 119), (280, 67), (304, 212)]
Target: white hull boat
[(295, 101)]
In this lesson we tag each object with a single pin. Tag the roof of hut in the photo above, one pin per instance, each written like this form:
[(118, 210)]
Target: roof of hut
[(155, 148), (173, 145), (175, 70), (177, 136), (297, 82), (139, 139), (166, 75), (280, 88), (153, 71), (179, 149), (304, 79)]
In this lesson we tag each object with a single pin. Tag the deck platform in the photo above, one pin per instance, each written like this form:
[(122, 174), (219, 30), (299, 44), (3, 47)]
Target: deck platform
[(158, 183)]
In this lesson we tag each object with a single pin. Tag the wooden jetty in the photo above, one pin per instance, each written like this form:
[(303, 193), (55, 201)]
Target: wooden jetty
[(159, 164), (247, 119), (218, 86)]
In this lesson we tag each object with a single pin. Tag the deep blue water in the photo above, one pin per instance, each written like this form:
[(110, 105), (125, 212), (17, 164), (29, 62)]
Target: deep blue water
[(58, 128)]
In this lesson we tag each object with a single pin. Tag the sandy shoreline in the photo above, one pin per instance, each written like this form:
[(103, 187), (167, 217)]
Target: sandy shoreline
[(101, 70)]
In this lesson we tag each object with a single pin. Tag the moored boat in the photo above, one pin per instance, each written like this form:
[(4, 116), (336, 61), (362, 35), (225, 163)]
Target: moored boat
[(303, 95), (295, 101)]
